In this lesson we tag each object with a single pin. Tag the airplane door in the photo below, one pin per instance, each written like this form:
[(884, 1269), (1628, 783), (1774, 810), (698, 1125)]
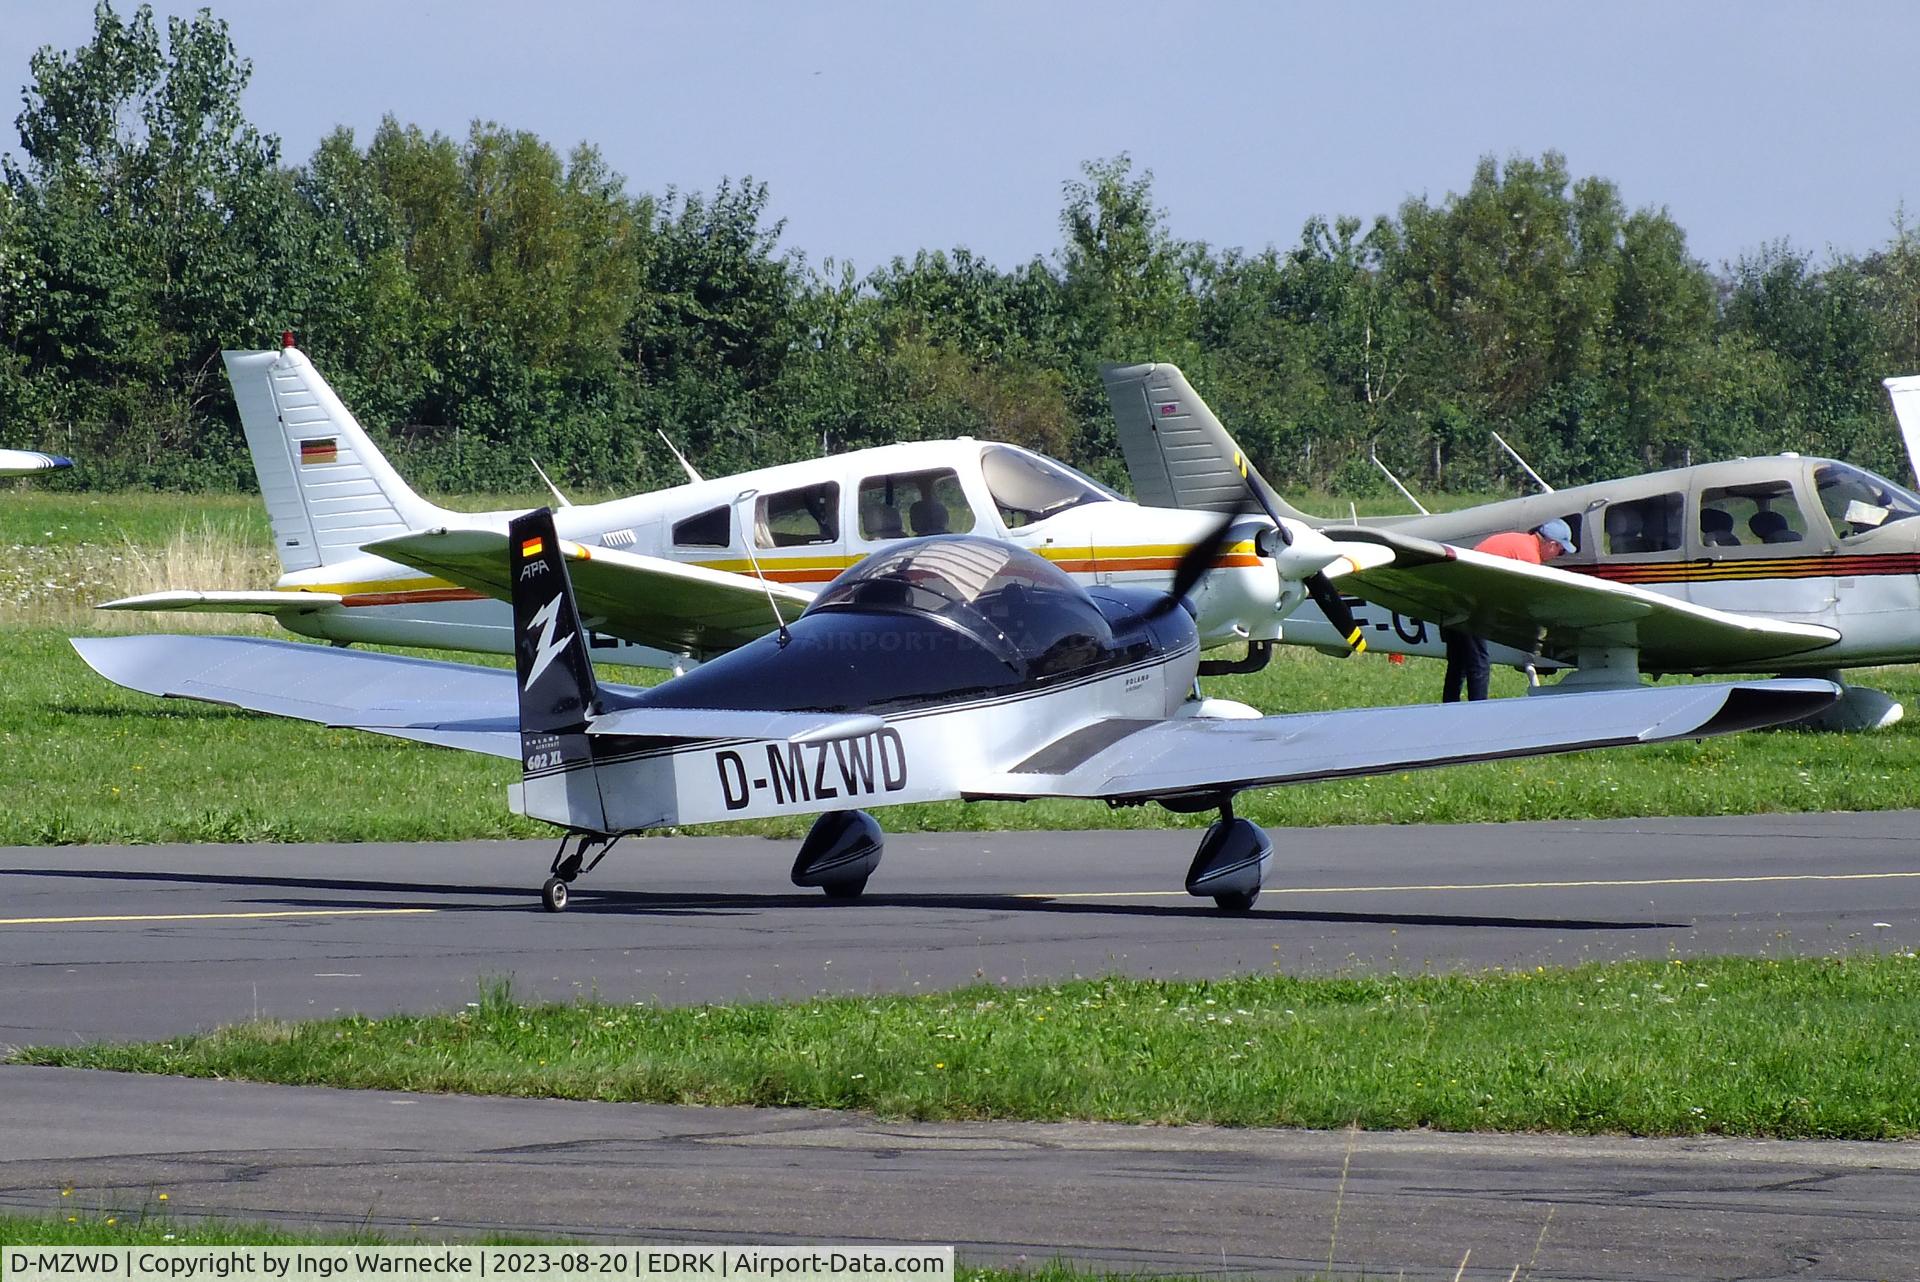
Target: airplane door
[(1754, 549)]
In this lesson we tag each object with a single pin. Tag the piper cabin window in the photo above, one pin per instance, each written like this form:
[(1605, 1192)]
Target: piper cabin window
[(711, 529), (1644, 525), (912, 504), (795, 518), (1733, 516), (1859, 502)]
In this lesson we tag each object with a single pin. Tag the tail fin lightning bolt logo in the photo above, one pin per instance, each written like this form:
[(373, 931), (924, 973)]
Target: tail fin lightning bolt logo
[(549, 649)]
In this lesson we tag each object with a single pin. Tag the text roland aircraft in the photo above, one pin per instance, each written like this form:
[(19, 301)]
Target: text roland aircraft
[(1786, 564), (940, 667), (680, 575)]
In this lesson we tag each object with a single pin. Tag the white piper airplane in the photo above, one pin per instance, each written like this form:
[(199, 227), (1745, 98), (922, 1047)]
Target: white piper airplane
[(1783, 564), (940, 667), (681, 575), (28, 462)]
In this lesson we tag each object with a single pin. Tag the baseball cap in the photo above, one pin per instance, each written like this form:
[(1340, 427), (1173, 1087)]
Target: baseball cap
[(1557, 531)]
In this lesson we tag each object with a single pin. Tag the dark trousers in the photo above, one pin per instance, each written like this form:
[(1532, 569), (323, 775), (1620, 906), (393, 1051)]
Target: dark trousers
[(1467, 665)]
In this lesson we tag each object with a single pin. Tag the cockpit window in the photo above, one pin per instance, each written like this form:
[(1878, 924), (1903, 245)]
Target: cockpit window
[(1021, 607), (1028, 488), (1859, 502)]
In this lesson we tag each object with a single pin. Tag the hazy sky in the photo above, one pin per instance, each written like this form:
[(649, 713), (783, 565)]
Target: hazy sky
[(883, 128)]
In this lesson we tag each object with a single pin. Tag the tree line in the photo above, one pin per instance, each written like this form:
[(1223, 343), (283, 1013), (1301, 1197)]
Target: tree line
[(485, 299)]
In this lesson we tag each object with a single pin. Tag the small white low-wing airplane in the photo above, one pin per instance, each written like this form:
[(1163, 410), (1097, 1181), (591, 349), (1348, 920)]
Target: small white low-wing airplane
[(937, 668), (1783, 564), (28, 462), (681, 575)]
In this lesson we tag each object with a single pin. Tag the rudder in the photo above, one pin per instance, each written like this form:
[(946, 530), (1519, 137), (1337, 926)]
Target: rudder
[(557, 689), (1178, 453), (327, 487)]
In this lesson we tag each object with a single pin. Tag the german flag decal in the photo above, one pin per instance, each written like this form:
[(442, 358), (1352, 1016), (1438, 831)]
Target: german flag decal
[(531, 548), (323, 449)]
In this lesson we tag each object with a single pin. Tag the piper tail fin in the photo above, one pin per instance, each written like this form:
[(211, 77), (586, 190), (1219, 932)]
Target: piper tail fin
[(1178, 454), (1905, 393), (327, 487), (557, 691)]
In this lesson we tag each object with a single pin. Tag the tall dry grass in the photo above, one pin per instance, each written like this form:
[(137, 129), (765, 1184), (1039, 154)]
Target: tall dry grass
[(58, 586)]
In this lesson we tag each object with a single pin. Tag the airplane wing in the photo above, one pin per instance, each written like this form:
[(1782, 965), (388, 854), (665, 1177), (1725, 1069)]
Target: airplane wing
[(643, 599), (27, 462), (454, 705), (1515, 603), (1195, 757), (274, 603)]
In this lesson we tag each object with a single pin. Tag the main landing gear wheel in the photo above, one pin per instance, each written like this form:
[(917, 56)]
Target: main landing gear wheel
[(1231, 862), (839, 854), (569, 865)]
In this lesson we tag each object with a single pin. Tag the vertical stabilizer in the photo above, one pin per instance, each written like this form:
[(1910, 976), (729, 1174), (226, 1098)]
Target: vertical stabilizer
[(1178, 454), (557, 689), (327, 488), (1905, 393)]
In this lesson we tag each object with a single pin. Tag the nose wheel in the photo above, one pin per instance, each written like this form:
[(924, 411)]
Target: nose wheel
[(567, 865)]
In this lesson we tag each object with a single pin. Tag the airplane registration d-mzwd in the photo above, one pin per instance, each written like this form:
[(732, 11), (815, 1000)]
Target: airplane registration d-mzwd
[(678, 573), (1783, 564), (939, 668)]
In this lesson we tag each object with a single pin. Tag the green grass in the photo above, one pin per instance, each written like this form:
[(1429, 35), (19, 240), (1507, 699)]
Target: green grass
[(152, 1227), (1757, 1047), (109, 765), (105, 764)]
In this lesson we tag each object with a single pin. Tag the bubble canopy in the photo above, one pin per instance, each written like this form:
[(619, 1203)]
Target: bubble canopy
[(1014, 602)]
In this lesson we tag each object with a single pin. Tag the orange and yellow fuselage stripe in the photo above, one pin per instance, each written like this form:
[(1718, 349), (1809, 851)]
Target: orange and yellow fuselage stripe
[(1163, 557), (1786, 567)]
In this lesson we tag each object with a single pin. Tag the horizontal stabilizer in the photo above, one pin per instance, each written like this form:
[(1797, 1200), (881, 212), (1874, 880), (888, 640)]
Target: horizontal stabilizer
[(455, 705), (1196, 757), (275, 603), (1518, 604), (647, 600)]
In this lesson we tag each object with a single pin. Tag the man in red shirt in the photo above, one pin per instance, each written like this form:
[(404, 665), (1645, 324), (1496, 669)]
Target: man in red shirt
[(1467, 663)]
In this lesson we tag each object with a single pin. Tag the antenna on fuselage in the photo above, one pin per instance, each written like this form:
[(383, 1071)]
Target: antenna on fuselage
[(1514, 454), (1405, 493), (746, 541), (679, 458), (552, 489)]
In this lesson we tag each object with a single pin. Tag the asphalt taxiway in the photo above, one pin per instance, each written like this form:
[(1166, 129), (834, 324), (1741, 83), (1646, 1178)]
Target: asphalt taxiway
[(147, 941), (150, 941), (1138, 1199)]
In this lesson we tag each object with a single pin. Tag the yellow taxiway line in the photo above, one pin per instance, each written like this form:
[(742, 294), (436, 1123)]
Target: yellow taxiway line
[(288, 912), (1499, 885)]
